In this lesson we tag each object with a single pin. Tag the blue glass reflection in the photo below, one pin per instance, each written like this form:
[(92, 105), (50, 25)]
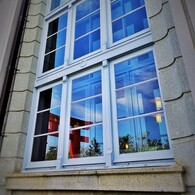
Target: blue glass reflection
[(86, 86), (122, 7), (58, 24), (130, 24), (87, 44), (56, 41), (54, 59), (135, 70), (142, 99), (54, 4), (87, 7), (143, 134), (87, 24)]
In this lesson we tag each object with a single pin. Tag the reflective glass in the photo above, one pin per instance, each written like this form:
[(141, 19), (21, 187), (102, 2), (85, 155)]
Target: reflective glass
[(86, 86), (129, 24), (86, 142), (54, 59), (87, 32), (50, 98), (87, 7), (122, 7), (141, 99), (58, 24), (56, 3), (45, 148), (87, 24), (56, 41), (48, 121), (87, 44), (90, 111), (135, 70), (143, 134)]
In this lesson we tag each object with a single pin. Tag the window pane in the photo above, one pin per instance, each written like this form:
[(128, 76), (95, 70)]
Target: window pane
[(121, 7), (87, 32), (90, 111), (143, 134), (58, 24), (142, 99), (56, 41), (56, 3), (50, 98), (135, 70), (86, 142), (87, 24), (45, 148), (86, 86), (54, 59), (48, 121), (125, 22), (86, 8), (86, 112)]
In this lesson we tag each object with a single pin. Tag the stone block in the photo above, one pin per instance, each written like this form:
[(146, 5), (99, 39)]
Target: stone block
[(167, 50), (35, 21), (24, 81), (27, 64), (181, 117), (38, 1), (173, 80), (32, 34), (153, 7), (13, 145), (184, 154), (30, 49), (36, 9), (17, 122), (21, 101), (164, 18)]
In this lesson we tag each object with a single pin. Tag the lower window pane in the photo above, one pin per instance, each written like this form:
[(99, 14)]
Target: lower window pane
[(54, 59), (143, 134), (45, 148), (86, 142)]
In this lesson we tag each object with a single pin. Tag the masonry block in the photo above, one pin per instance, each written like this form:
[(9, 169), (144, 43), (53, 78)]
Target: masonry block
[(30, 49), (38, 8), (153, 7), (32, 34)]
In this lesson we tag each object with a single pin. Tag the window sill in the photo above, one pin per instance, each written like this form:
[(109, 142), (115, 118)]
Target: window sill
[(150, 179)]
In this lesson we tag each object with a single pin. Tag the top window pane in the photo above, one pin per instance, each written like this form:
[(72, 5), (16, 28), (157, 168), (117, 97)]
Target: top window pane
[(86, 8), (56, 3)]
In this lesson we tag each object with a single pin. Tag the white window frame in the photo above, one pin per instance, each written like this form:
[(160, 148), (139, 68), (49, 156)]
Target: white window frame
[(104, 59), (138, 156)]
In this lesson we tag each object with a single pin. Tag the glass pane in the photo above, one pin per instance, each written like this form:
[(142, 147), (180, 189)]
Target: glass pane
[(58, 24), (86, 8), (56, 41), (45, 148), (50, 98), (130, 24), (86, 142), (86, 112), (87, 24), (143, 134), (87, 44), (135, 70), (142, 99), (54, 59), (55, 3), (48, 121), (121, 7), (86, 86)]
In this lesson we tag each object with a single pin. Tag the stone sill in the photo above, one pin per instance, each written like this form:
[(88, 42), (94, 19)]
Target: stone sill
[(149, 179)]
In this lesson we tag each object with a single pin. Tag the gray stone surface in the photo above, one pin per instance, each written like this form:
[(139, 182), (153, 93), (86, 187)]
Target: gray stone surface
[(32, 34), (181, 117), (38, 8), (153, 7), (30, 49), (167, 50), (173, 80)]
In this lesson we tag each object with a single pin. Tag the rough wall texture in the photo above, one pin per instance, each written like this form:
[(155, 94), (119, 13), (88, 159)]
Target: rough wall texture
[(179, 104)]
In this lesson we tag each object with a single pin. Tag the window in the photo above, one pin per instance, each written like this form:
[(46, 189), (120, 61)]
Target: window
[(97, 101)]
